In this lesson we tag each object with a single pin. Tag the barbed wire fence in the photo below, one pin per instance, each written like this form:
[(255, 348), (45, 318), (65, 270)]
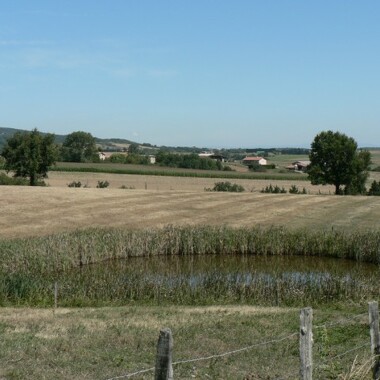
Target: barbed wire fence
[(317, 356)]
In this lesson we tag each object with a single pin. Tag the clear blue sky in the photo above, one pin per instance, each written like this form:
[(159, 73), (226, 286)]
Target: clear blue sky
[(210, 73)]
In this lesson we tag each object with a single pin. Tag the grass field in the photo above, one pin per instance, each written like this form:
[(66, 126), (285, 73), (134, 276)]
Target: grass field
[(104, 343), (198, 184), (28, 211), (101, 343)]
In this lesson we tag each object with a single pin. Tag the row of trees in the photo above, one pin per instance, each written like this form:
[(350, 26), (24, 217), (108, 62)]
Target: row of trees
[(335, 158), (187, 161), (30, 154)]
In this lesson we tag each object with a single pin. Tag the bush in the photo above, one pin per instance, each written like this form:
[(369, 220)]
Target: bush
[(102, 184), (273, 190), (15, 181), (257, 168), (374, 189), (74, 184), (294, 190), (227, 186)]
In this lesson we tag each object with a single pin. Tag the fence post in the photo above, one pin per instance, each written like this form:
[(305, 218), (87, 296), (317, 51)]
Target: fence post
[(55, 295), (306, 342), (373, 316), (164, 369)]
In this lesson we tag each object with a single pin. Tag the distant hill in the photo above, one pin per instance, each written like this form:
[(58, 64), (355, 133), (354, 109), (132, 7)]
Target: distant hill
[(113, 144), (5, 133)]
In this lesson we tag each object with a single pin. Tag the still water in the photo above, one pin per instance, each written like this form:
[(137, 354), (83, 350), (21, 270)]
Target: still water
[(271, 280)]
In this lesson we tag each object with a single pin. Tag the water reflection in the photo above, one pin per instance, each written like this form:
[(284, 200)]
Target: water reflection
[(233, 278)]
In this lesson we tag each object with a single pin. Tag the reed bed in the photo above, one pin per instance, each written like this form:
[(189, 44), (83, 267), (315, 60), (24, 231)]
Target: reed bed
[(67, 250), (81, 262)]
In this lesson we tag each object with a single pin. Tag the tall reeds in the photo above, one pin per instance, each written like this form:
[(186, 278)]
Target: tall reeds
[(29, 267), (67, 250)]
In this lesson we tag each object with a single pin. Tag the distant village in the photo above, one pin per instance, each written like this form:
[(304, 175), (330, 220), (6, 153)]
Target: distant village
[(248, 160)]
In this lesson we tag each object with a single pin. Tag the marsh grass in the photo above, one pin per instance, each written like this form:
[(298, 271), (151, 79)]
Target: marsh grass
[(67, 250), (82, 264)]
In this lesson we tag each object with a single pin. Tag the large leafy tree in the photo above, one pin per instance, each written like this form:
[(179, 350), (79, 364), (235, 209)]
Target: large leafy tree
[(335, 160), (133, 148), (29, 155), (79, 147)]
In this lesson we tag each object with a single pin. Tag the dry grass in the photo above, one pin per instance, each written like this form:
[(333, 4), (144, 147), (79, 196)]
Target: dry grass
[(164, 183), (39, 211)]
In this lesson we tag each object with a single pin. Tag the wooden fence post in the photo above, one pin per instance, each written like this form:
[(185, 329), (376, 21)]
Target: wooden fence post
[(373, 315), (55, 295), (164, 369), (306, 342)]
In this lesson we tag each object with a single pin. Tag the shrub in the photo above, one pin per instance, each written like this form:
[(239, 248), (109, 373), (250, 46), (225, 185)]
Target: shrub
[(273, 190), (74, 184), (16, 181), (227, 186), (126, 187), (102, 184), (374, 189), (294, 190), (257, 168)]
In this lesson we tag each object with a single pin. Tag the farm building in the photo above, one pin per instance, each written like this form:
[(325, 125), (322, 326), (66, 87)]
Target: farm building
[(105, 155), (299, 166), (254, 160), (213, 156)]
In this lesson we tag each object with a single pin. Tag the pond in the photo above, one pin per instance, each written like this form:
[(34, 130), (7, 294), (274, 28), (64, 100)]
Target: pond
[(207, 279), (203, 279)]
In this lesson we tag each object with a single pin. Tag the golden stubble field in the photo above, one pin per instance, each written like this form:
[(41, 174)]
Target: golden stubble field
[(159, 201)]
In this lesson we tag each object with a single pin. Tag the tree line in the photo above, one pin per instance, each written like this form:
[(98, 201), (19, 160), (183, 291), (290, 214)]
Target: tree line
[(187, 161), (334, 158)]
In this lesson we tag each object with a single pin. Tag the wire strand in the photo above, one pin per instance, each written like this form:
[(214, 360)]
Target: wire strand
[(235, 351), (208, 357), (348, 319)]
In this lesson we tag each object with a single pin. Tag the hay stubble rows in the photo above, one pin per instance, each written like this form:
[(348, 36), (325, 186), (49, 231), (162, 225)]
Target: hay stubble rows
[(28, 211)]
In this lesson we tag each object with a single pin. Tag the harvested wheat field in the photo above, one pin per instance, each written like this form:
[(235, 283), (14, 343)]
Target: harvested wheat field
[(159, 183), (199, 182), (35, 211)]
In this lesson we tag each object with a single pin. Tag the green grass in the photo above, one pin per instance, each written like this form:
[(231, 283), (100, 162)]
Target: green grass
[(162, 171), (103, 343), (283, 160)]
